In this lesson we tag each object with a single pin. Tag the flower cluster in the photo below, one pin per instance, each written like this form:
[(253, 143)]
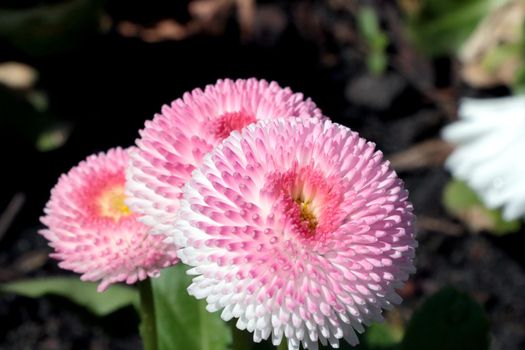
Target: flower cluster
[(292, 224)]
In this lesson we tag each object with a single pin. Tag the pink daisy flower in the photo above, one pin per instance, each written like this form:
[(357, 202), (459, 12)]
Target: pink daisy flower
[(298, 228), (92, 230), (175, 142)]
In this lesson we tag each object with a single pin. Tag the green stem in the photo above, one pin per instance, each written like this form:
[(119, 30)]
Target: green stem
[(283, 345), (241, 340), (148, 327)]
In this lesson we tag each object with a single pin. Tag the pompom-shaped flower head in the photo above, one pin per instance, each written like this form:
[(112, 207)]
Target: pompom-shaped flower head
[(175, 142), (490, 139), (92, 230), (298, 228)]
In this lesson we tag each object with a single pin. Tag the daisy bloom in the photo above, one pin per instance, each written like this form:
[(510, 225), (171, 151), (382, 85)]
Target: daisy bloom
[(92, 230), (490, 139), (298, 228), (175, 141)]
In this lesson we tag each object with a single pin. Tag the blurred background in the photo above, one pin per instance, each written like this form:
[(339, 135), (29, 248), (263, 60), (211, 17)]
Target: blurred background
[(81, 76)]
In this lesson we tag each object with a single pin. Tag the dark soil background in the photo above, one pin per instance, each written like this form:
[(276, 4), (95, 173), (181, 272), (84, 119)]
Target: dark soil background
[(106, 83)]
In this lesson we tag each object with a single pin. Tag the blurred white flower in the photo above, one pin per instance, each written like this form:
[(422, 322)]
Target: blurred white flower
[(490, 152)]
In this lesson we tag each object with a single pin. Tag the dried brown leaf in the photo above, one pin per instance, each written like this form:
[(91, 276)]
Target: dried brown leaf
[(425, 154), (439, 225), (18, 75), (30, 261), (503, 26)]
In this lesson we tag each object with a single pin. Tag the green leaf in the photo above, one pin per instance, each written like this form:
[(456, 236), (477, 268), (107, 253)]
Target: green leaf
[(441, 26), (502, 226), (448, 320), (368, 24), (376, 40), (50, 28), (54, 137), (458, 196), (182, 320), (378, 336), (377, 62), (20, 115), (81, 293), (519, 83), (383, 335), (462, 202)]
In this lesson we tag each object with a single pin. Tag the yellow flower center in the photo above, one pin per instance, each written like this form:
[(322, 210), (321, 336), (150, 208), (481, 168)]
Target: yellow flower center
[(112, 205), (307, 214)]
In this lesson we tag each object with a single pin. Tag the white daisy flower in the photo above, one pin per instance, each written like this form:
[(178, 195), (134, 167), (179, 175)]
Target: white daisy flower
[(490, 153)]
